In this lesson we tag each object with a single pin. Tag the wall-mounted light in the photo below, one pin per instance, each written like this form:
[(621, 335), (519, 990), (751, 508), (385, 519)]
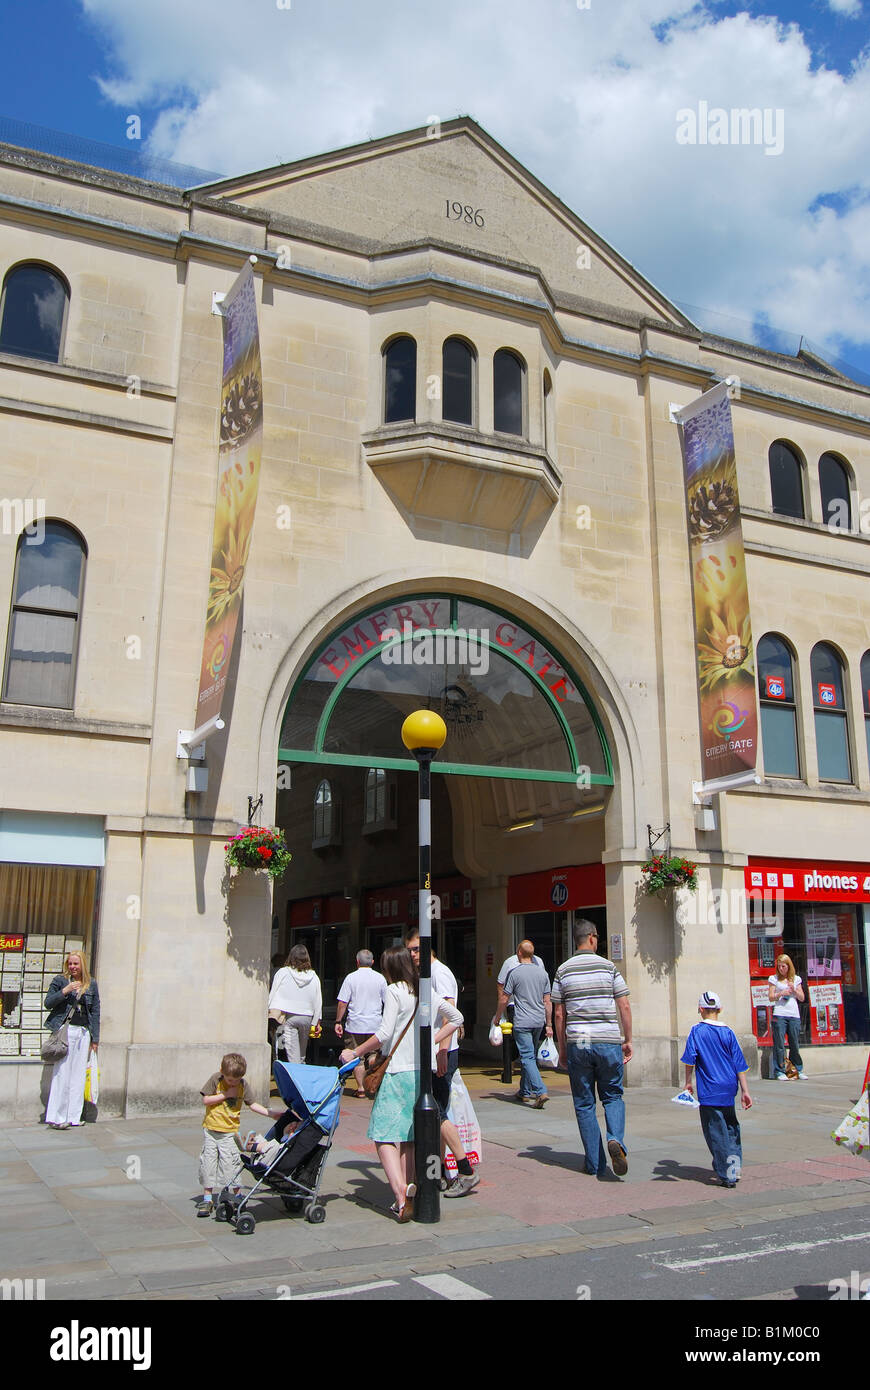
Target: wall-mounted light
[(531, 826)]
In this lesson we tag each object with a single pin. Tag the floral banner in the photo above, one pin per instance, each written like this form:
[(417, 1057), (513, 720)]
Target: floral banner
[(723, 632), (241, 436)]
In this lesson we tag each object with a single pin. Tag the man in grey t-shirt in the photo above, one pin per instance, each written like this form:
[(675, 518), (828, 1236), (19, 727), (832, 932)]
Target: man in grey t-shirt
[(527, 987)]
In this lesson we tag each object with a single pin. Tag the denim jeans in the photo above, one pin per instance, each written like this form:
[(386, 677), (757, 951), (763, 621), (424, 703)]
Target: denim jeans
[(791, 1026), (599, 1064), (722, 1133), (527, 1046)]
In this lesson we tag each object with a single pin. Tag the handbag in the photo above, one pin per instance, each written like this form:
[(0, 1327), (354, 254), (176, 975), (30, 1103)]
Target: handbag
[(55, 1048), (373, 1078)]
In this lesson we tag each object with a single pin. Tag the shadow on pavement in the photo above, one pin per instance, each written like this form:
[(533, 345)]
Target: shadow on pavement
[(669, 1170)]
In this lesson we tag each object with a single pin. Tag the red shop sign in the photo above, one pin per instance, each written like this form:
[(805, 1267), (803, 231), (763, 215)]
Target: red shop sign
[(11, 943), (578, 885), (810, 880)]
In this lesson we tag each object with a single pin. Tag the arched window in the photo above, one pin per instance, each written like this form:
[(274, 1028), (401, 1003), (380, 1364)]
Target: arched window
[(832, 735), (46, 610), (34, 312), (778, 711), (457, 370), (323, 813), (508, 371), (400, 380), (834, 485), (865, 685), (786, 481)]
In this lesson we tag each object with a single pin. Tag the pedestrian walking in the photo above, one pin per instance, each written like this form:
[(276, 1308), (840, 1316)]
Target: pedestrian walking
[(391, 1126), (445, 986), (527, 987), (361, 1004), (72, 998), (785, 992), (508, 964), (591, 1000), (296, 993), (713, 1051)]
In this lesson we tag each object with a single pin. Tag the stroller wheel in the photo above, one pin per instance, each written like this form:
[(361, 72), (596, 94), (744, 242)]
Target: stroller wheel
[(223, 1211), (293, 1203), (245, 1224), (315, 1214)]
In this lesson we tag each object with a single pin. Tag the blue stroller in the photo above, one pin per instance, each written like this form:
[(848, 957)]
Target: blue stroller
[(312, 1096)]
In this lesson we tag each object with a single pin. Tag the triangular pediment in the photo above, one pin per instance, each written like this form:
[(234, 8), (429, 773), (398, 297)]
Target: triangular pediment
[(407, 188)]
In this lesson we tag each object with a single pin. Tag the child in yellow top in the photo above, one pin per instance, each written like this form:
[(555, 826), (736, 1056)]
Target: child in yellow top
[(223, 1095)]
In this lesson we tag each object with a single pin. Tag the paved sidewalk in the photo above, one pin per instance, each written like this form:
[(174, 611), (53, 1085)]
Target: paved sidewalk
[(73, 1216)]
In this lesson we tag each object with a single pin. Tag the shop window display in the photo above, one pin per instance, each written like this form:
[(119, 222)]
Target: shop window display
[(46, 911)]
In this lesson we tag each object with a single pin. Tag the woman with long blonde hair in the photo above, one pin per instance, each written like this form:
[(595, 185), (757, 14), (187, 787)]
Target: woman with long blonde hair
[(785, 992), (72, 998)]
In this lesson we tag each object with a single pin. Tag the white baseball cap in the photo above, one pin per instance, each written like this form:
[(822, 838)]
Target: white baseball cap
[(709, 1000)]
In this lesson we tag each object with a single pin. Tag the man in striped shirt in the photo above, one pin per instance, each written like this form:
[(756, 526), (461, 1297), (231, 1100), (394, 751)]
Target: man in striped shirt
[(591, 1000)]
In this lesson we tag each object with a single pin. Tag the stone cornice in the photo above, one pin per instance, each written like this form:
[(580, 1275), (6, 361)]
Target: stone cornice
[(85, 418), (58, 721), (85, 375)]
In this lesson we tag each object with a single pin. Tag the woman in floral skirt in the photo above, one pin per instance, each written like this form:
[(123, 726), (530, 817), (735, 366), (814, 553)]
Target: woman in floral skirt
[(392, 1120)]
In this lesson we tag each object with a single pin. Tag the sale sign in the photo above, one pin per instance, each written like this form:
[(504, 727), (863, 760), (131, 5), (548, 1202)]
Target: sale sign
[(11, 943)]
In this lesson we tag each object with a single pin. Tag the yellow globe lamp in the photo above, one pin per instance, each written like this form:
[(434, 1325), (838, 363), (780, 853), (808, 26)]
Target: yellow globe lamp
[(424, 729)]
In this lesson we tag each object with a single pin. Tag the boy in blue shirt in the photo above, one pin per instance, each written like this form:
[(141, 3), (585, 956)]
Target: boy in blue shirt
[(714, 1052)]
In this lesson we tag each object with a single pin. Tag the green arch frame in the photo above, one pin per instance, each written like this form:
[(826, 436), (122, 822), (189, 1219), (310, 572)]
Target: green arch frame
[(317, 755)]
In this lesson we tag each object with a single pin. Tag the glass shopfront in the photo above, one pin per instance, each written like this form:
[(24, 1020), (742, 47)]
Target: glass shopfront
[(817, 913)]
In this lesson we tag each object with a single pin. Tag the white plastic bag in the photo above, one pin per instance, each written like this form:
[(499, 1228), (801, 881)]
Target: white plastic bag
[(548, 1053), (92, 1080), (686, 1098), (495, 1034), (853, 1134), (461, 1112)]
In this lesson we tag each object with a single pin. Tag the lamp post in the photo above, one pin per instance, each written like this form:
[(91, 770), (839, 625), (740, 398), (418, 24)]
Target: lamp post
[(423, 733)]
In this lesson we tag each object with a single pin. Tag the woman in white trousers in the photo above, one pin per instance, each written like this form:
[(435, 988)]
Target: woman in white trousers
[(73, 997)]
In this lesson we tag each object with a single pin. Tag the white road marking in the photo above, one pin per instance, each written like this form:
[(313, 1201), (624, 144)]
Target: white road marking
[(342, 1293), (448, 1287), (765, 1250)]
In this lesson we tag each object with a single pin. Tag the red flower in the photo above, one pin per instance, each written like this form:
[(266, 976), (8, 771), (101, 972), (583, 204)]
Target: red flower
[(266, 853)]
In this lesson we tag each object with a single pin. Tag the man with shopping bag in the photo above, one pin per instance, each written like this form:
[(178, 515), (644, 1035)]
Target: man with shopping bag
[(448, 1088), (527, 987)]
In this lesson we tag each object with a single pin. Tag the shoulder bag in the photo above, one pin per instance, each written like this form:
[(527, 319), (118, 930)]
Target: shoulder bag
[(373, 1078), (55, 1048)]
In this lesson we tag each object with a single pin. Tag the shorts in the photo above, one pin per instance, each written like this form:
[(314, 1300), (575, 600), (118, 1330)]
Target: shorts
[(219, 1161), (441, 1084), (358, 1040)]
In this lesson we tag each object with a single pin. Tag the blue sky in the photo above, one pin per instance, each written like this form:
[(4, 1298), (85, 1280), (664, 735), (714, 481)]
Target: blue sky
[(585, 98)]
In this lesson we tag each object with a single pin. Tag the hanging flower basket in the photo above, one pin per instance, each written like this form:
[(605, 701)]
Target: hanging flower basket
[(664, 873), (255, 848)]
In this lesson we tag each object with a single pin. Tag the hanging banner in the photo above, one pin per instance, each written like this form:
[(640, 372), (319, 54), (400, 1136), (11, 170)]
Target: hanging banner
[(723, 633), (241, 436)]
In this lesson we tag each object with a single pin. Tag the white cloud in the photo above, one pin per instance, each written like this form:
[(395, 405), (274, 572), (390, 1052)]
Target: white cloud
[(586, 99), (850, 8)]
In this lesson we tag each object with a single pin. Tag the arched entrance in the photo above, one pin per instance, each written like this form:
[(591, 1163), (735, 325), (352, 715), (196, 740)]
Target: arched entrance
[(520, 786)]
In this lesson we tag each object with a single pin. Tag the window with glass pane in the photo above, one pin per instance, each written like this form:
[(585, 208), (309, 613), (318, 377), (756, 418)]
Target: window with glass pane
[(834, 485), (400, 372), (778, 714), (865, 685), (832, 735), (376, 795), (323, 811), (457, 369), (508, 375), (34, 308), (786, 482), (43, 630)]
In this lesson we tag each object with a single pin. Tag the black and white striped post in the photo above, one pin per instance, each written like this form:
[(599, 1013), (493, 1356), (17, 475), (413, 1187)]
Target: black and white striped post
[(423, 733)]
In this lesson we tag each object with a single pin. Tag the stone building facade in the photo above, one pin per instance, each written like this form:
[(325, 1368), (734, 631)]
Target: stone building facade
[(549, 510)]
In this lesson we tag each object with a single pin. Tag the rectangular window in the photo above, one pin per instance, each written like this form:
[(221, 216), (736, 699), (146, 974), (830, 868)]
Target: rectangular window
[(779, 741), (46, 911), (832, 746)]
